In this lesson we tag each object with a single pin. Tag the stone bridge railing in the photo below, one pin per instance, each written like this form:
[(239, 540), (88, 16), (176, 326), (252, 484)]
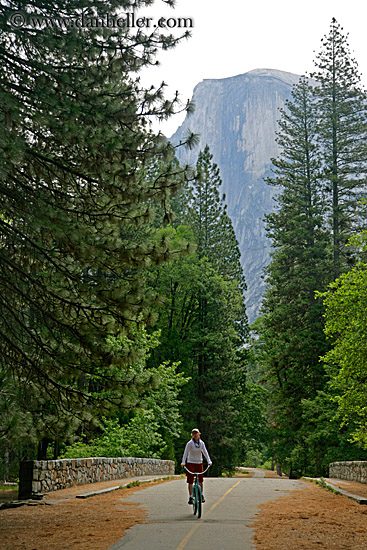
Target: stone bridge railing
[(42, 476), (353, 470)]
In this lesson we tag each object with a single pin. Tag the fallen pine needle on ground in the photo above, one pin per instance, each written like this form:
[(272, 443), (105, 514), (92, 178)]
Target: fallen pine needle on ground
[(311, 518), (308, 519), (74, 524)]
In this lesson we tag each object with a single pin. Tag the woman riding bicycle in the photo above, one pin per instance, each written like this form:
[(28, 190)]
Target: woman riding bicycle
[(194, 451)]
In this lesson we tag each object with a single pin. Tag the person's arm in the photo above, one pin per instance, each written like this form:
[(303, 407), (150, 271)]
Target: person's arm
[(183, 461), (206, 454)]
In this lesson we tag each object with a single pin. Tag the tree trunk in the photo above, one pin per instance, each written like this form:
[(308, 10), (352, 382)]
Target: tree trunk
[(6, 464), (42, 449), (56, 449)]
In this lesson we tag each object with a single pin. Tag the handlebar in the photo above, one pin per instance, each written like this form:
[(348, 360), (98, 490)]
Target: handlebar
[(197, 473)]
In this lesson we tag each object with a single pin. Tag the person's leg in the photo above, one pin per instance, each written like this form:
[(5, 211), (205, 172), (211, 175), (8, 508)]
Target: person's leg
[(190, 481)]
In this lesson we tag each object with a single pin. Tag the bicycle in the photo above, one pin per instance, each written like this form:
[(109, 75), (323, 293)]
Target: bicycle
[(196, 492)]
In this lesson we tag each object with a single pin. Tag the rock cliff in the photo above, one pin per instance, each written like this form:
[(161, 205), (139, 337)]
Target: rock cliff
[(237, 118)]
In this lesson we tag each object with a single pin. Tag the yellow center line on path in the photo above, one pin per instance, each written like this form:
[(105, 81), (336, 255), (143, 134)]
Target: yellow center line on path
[(194, 529)]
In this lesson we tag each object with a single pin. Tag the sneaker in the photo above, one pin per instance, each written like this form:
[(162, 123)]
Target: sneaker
[(191, 500), (202, 498)]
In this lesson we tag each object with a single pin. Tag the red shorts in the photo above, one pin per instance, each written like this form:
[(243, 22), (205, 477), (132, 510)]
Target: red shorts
[(194, 468)]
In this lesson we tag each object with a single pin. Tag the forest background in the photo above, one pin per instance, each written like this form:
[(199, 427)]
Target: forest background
[(123, 322)]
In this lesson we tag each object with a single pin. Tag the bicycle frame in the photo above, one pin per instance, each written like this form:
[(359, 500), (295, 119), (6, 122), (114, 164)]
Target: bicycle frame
[(197, 503)]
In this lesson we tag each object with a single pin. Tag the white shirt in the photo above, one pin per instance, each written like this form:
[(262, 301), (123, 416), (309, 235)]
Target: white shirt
[(195, 454)]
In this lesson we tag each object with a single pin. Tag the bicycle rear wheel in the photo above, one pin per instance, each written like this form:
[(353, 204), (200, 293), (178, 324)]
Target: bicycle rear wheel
[(195, 498), (200, 504)]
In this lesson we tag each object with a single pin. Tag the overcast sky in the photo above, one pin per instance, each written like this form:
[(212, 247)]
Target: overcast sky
[(236, 36)]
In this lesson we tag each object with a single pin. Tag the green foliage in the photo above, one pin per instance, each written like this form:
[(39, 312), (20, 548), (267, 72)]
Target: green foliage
[(320, 174), (203, 321), (292, 324), (318, 442), (164, 403), (20, 407), (206, 214), (341, 137), (82, 178), (267, 465), (326, 441), (138, 438), (255, 459), (136, 483), (290, 331), (152, 429), (345, 303)]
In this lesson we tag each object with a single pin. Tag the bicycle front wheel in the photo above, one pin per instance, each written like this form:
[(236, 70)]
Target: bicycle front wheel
[(195, 498), (200, 504)]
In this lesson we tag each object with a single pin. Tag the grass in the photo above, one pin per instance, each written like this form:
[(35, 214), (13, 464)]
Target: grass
[(8, 492), (7, 488), (325, 486), (133, 484), (322, 483), (137, 483)]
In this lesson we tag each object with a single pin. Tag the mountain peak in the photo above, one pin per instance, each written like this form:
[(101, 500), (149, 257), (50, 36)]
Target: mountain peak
[(291, 78), (288, 78), (238, 118)]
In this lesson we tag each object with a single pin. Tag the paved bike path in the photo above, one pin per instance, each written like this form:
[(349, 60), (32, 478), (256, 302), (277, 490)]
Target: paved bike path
[(231, 505)]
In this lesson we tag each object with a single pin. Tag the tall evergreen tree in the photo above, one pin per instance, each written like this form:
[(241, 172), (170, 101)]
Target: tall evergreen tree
[(342, 139), (207, 216), (292, 323), (321, 172), (76, 234), (199, 324), (203, 321)]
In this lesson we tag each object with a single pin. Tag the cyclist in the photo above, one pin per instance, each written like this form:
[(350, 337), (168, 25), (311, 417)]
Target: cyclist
[(194, 451)]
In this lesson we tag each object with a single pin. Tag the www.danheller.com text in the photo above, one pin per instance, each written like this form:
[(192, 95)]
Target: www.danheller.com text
[(128, 20)]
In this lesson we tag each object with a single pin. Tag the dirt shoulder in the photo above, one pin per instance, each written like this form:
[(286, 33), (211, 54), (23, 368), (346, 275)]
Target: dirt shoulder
[(271, 474), (73, 524), (244, 474), (309, 519), (353, 487)]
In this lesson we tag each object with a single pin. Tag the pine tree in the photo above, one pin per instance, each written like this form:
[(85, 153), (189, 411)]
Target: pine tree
[(207, 216), (199, 324), (77, 205), (342, 132), (292, 322), (214, 234), (321, 173), (203, 320)]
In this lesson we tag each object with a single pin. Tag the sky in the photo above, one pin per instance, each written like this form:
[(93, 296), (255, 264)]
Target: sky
[(233, 37)]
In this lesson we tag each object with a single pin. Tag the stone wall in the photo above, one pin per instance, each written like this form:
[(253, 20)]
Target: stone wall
[(355, 470), (42, 476)]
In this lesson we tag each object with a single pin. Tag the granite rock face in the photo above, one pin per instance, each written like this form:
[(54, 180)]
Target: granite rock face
[(237, 117)]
